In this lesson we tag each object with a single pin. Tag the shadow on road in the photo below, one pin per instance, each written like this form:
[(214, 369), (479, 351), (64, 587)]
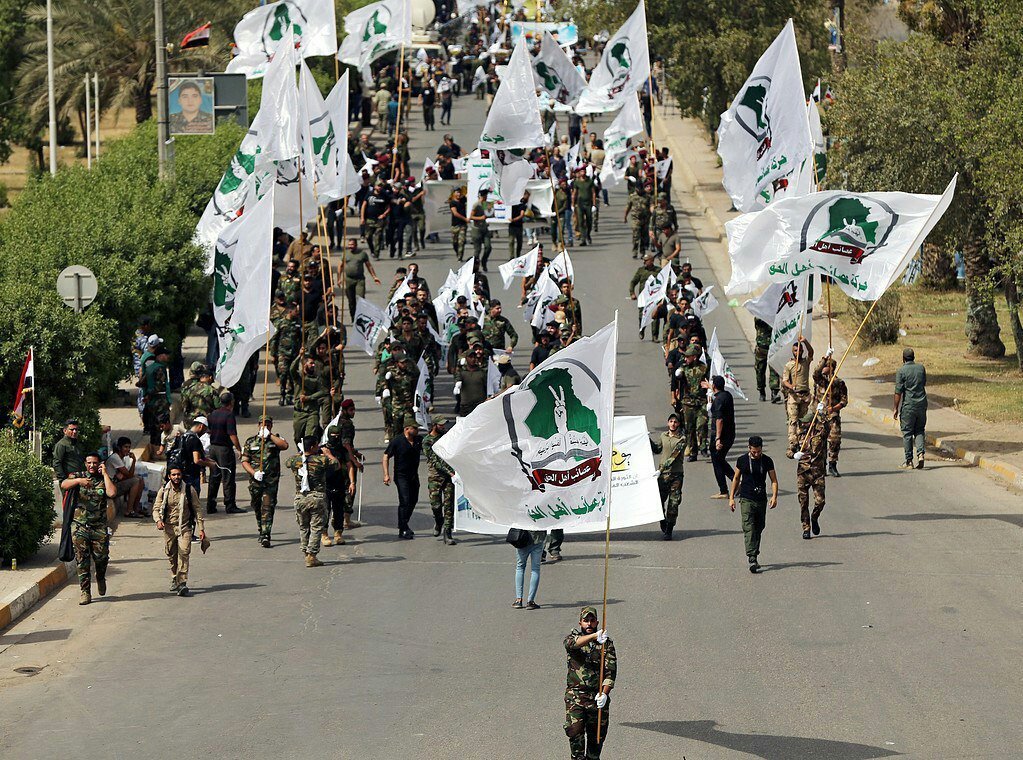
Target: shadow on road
[(764, 745), (35, 637), (1012, 519), (790, 565), (578, 605), (861, 534)]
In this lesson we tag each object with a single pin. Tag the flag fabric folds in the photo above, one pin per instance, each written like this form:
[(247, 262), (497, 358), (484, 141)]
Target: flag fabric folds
[(523, 266), (261, 31), (863, 241), (623, 68), (555, 74), (241, 289), (369, 324), (539, 456), (26, 384), (788, 308), (197, 37), (514, 118), (764, 135), (628, 123), (374, 30), (718, 366)]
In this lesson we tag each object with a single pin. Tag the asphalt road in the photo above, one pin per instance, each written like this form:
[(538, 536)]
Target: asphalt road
[(895, 633)]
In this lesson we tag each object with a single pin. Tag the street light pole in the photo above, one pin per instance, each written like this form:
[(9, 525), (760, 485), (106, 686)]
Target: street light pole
[(49, 86), (162, 131), (88, 123), (95, 87)]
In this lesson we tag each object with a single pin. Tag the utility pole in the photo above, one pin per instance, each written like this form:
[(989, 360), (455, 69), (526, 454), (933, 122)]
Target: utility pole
[(95, 86), (88, 123), (162, 131), (49, 86)]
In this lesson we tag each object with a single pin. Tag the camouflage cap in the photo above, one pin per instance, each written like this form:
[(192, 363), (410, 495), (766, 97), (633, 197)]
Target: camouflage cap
[(693, 351), (410, 421), (808, 417), (196, 366), (440, 421), (265, 418), (587, 611), (474, 339)]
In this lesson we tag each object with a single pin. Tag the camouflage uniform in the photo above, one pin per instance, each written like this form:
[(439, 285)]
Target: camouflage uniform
[(309, 504), (580, 692), (288, 345), (810, 469), (403, 388), (278, 314), (839, 395), (797, 401), (479, 235), (658, 218), (573, 312), (670, 476), (458, 232), (89, 530), (694, 407), (639, 279), (499, 333), (442, 489), (205, 398), (263, 455), (315, 388), (346, 435), (638, 213), (760, 366), (157, 393), (291, 287)]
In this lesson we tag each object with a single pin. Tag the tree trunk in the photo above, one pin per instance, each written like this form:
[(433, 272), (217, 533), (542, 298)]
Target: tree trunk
[(144, 99), (981, 319), (81, 126), (938, 271), (1012, 299)]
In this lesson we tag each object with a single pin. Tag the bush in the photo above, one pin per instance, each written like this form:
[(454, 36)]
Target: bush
[(4, 197), (26, 500), (885, 320)]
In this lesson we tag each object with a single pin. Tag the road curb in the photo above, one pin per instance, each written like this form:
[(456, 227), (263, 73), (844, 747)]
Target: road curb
[(19, 603), (1012, 475)]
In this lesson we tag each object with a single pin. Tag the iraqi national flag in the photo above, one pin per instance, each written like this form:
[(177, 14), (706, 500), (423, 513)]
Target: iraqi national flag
[(197, 37), (25, 384)]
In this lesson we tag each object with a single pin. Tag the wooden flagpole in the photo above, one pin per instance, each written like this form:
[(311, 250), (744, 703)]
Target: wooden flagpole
[(397, 122), (607, 532)]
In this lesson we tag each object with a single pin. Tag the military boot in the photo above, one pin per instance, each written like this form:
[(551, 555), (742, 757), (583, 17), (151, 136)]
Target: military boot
[(86, 597), (101, 584), (763, 396), (339, 538), (325, 540), (448, 539), (833, 470), (349, 523), (438, 522), (312, 561)]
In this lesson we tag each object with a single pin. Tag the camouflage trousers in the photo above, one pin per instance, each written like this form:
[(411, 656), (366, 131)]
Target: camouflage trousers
[(581, 725), (481, 244), (92, 544), (694, 419), (458, 241), (639, 239), (418, 227), (263, 499), (671, 495), (807, 478), (350, 497), (387, 410), (398, 415), (796, 405), (834, 438), (375, 236), (309, 512), (284, 359), (178, 548), (760, 369), (442, 502)]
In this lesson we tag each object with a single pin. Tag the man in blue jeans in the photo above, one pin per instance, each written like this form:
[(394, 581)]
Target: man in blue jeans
[(911, 406), (532, 553)]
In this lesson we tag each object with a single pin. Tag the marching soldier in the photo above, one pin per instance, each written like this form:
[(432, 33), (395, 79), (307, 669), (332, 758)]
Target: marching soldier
[(479, 233), (586, 695), (671, 473), (760, 366), (795, 382), (693, 401), (311, 468), (288, 347), (89, 523), (442, 489), (810, 470), (637, 214), (312, 384), (834, 402), (639, 279), (498, 330), (261, 458), (663, 221)]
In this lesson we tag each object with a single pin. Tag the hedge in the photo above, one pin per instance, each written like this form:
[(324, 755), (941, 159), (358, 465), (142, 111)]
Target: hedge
[(26, 500)]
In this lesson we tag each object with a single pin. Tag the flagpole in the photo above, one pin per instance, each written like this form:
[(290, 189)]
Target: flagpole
[(607, 529), (653, 145), (397, 122), (88, 123)]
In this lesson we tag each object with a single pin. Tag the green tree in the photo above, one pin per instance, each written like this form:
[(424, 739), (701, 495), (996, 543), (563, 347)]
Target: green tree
[(26, 500), (12, 115)]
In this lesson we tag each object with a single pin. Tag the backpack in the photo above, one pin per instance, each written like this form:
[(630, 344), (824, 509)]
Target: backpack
[(176, 452)]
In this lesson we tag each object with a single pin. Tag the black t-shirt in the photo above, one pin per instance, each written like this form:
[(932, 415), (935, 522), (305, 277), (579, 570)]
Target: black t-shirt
[(447, 171), (723, 408), (517, 209), (405, 455), (539, 355), (376, 204), (429, 95), (753, 484), (189, 445), (458, 206)]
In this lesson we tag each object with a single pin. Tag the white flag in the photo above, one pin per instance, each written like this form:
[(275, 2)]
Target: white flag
[(446, 316), (424, 395), (369, 324), (374, 30), (633, 488), (820, 145), (555, 74), (514, 119), (539, 456), (241, 289), (319, 138), (718, 366), (764, 135), (493, 377), (523, 266), (337, 105), (788, 308), (663, 167), (705, 303), (260, 32), (561, 267), (291, 214), (627, 124), (656, 286), (863, 241), (428, 164), (273, 136), (545, 290), (623, 69)]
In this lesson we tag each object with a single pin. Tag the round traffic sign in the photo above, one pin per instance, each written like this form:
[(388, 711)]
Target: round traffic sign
[(77, 286)]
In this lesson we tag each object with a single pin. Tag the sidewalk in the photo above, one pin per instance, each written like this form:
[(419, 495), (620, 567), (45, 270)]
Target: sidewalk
[(995, 448)]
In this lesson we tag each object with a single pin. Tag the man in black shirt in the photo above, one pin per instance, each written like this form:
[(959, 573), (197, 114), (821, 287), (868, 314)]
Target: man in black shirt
[(223, 445), (541, 351), (722, 432), (428, 97), (515, 229), (375, 210), (405, 450), (750, 483), (459, 222), (449, 148)]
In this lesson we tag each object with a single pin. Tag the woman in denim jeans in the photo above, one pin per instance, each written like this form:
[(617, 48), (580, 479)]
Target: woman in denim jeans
[(532, 553)]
